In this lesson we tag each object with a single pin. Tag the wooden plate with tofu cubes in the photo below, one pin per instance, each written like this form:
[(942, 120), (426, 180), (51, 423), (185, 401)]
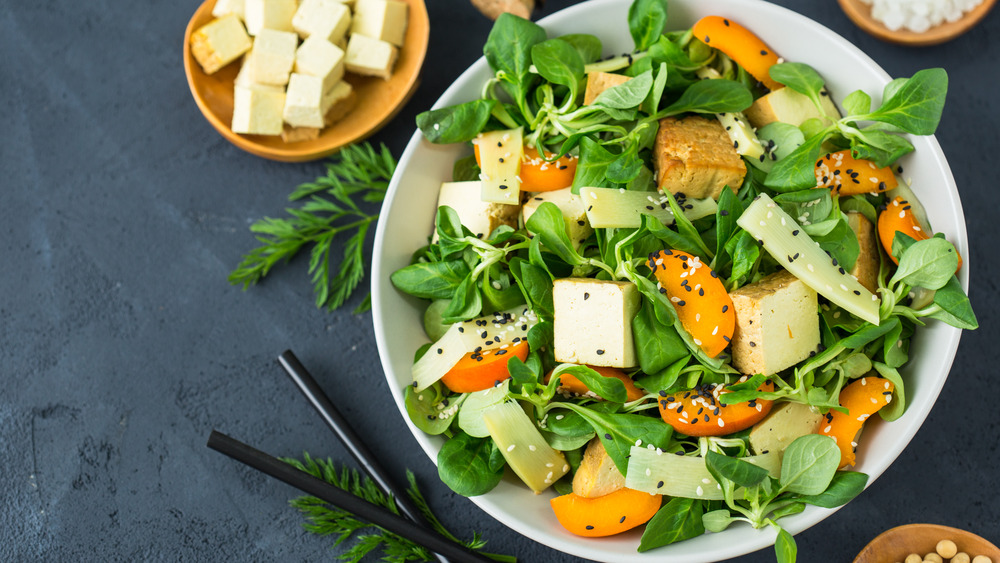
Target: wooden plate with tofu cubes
[(296, 80)]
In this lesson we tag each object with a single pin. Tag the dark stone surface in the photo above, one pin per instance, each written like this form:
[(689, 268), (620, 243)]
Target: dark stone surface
[(122, 345)]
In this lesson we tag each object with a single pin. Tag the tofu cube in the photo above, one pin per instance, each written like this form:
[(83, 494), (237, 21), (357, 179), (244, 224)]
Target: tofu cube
[(593, 322), (257, 112), (598, 82), (865, 270), (777, 324), (322, 59), (370, 57), (341, 100), (788, 106), (245, 78), (304, 103), (269, 14), (480, 217), (573, 210), (695, 156), (226, 7), (328, 19), (219, 43), (273, 56), (380, 19)]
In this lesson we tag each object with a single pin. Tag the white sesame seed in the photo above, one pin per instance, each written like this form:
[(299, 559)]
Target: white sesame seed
[(697, 342), (532, 447), (648, 472), (511, 447), (700, 491)]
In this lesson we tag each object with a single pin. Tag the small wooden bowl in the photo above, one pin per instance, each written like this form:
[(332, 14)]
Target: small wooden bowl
[(860, 14), (897, 543), (378, 100)]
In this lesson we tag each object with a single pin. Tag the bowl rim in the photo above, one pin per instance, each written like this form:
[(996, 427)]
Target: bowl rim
[(296, 152), (903, 429)]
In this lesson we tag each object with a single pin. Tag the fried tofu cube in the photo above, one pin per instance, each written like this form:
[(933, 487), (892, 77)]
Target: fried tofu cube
[(573, 210), (598, 82), (480, 217), (381, 19), (341, 99), (866, 268), (788, 106), (328, 19), (593, 322), (695, 156), (219, 43), (777, 324), (597, 475), (273, 56), (269, 14), (257, 111), (370, 57), (318, 57)]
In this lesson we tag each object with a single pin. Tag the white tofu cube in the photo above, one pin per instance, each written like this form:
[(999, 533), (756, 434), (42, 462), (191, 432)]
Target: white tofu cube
[(304, 101), (593, 322), (226, 7), (245, 78), (370, 57), (479, 216), (380, 19), (220, 42), (777, 324), (257, 112), (573, 210), (269, 14), (328, 19), (273, 56), (322, 59)]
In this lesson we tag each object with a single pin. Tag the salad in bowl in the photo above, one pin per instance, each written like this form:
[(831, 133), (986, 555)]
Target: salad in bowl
[(649, 282)]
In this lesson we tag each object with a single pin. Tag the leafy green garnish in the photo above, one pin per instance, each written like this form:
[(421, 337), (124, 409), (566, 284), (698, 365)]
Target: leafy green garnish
[(326, 520), (331, 210)]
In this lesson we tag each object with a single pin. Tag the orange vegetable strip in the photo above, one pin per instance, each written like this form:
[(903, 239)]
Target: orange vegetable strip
[(703, 305), (897, 218), (606, 515), (748, 50), (571, 383), (862, 398), (846, 175), (483, 369), (698, 411), (539, 175)]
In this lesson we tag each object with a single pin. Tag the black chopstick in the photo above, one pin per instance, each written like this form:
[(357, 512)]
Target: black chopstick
[(306, 483), (339, 425)]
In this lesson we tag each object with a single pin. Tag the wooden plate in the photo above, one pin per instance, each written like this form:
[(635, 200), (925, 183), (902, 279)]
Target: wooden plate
[(897, 543), (378, 100), (860, 14)]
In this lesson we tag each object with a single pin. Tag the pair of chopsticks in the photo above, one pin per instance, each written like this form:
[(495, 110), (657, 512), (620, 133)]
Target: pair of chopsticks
[(413, 527)]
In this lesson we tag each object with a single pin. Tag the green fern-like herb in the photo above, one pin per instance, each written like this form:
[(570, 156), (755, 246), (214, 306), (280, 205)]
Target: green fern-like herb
[(358, 172), (326, 520)]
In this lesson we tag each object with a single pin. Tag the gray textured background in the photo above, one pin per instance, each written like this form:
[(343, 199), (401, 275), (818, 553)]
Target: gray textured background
[(122, 345)]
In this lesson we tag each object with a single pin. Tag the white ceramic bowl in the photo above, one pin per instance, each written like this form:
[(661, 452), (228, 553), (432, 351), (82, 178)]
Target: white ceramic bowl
[(408, 215)]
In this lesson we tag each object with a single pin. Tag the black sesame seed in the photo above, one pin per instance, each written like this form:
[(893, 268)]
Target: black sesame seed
[(440, 351), (483, 335), (701, 292), (725, 22), (499, 144), (607, 436), (713, 274), (753, 344), (600, 352), (622, 520), (590, 527), (795, 233), (681, 303), (856, 292), (723, 213), (586, 296), (501, 352), (706, 418), (679, 409), (581, 222), (763, 53), (725, 308), (708, 39), (503, 186), (663, 393)]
